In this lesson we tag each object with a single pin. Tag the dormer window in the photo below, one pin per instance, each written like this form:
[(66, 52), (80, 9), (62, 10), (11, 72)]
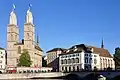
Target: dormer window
[(75, 48), (91, 49), (68, 51)]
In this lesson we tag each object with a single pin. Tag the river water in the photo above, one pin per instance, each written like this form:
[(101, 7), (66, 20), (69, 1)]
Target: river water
[(34, 79)]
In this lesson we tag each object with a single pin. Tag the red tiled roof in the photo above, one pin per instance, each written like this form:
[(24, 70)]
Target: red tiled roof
[(101, 51)]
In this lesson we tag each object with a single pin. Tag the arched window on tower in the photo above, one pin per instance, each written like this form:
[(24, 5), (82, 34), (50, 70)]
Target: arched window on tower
[(15, 37), (11, 29), (28, 35), (11, 37), (19, 50)]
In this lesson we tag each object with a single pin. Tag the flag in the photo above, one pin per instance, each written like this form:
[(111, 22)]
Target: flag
[(13, 6)]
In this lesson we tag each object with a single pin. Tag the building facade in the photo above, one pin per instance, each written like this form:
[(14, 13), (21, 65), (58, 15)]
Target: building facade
[(3, 61), (53, 58), (81, 57), (15, 47)]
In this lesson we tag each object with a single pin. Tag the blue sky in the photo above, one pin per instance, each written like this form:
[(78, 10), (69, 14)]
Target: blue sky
[(63, 23)]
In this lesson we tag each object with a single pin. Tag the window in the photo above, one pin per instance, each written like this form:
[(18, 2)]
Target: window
[(77, 68), (19, 50), (62, 68), (61, 61), (11, 30), (73, 60), (75, 49), (17, 60), (1, 52), (69, 61), (77, 54), (65, 68), (73, 68), (86, 60), (28, 29), (27, 35), (11, 37), (65, 61), (86, 54), (90, 61), (73, 55), (90, 55), (15, 37), (0, 61), (95, 56), (66, 56), (1, 56), (68, 51), (77, 60), (95, 61)]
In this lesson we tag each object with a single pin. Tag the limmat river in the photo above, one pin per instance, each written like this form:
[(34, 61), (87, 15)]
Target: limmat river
[(34, 79)]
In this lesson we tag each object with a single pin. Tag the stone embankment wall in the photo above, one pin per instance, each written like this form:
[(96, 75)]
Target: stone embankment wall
[(30, 75)]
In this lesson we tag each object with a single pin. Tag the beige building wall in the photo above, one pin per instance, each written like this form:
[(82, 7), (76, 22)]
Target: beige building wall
[(15, 47)]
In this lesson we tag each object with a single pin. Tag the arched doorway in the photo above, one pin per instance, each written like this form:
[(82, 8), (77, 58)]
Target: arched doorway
[(77, 68), (69, 69), (65, 69), (73, 68)]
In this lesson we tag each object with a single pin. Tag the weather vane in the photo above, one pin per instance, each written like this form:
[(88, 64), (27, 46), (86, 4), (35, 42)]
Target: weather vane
[(13, 7), (30, 5)]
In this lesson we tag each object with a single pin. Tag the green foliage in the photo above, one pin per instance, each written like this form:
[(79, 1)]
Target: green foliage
[(117, 57), (25, 59)]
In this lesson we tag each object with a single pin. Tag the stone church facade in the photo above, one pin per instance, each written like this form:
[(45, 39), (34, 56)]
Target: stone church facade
[(15, 47)]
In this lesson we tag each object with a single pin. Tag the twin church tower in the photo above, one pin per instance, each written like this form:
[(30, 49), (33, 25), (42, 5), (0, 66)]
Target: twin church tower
[(15, 47)]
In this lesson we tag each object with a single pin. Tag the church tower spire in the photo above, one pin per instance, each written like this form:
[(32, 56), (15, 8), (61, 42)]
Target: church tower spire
[(29, 30), (13, 18), (102, 44), (29, 16), (12, 38), (37, 43)]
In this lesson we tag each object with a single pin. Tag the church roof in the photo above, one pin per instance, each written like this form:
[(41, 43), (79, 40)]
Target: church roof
[(78, 48), (38, 48), (81, 47), (101, 51)]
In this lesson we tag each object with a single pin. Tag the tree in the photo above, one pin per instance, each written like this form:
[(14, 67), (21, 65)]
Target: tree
[(117, 57), (25, 59)]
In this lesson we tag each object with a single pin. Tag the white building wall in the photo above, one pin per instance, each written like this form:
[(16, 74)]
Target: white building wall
[(2, 60), (94, 63), (107, 62), (82, 59), (97, 64)]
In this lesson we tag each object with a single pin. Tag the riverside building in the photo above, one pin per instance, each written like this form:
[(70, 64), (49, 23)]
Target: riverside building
[(3, 62), (80, 57), (53, 58)]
